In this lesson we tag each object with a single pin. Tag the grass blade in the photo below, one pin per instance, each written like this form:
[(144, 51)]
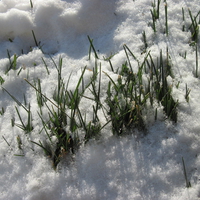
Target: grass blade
[(92, 47)]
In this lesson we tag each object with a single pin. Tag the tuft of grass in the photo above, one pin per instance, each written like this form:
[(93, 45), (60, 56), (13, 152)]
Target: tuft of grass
[(93, 128), (26, 127), (57, 120), (67, 141), (159, 71), (126, 99), (73, 100), (155, 13), (96, 89), (156, 9), (194, 27)]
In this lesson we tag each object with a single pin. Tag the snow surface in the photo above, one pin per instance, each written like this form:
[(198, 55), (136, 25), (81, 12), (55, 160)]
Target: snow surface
[(126, 167)]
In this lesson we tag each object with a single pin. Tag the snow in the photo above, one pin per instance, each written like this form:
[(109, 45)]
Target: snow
[(127, 167)]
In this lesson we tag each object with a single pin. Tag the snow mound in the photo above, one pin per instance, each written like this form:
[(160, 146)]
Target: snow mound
[(55, 21)]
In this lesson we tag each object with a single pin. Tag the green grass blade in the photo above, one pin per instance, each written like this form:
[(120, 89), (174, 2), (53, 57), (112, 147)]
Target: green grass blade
[(92, 47)]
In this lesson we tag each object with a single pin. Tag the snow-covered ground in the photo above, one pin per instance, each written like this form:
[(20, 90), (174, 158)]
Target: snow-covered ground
[(127, 167)]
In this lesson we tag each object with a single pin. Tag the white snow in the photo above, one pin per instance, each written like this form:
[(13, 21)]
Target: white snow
[(127, 167)]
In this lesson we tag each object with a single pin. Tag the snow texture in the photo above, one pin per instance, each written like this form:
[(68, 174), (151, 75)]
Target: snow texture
[(128, 167)]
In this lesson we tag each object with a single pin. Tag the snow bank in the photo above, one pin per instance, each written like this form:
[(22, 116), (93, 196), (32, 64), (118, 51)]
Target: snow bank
[(57, 24)]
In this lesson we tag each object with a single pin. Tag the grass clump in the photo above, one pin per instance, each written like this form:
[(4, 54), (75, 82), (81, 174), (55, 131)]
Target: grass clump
[(160, 70), (66, 126), (55, 126), (194, 27), (128, 97), (26, 127), (126, 100), (92, 128), (65, 119), (155, 13)]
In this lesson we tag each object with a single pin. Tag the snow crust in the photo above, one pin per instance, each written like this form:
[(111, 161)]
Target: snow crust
[(127, 167)]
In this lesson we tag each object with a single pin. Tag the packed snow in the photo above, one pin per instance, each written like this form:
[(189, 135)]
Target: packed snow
[(126, 167)]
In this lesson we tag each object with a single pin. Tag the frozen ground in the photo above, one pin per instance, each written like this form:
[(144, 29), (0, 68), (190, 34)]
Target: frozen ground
[(127, 167)]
